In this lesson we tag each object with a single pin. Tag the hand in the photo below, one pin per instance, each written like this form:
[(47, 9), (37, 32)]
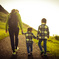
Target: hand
[(37, 39), (6, 31), (22, 31)]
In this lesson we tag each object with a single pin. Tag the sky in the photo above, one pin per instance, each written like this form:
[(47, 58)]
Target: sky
[(32, 11)]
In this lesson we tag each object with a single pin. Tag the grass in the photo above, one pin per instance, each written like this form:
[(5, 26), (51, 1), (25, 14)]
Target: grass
[(52, 46), (3, 34), (3, 16)]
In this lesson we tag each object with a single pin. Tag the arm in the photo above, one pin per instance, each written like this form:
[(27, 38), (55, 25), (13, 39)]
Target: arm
[(48, 32), (20, 21), (23, 33), (34, 36)]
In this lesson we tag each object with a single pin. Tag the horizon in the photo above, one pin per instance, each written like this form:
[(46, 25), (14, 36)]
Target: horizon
[(33, 11)]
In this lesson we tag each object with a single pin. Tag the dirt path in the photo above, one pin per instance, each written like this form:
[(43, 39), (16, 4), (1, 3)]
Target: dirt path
[(6, 52)]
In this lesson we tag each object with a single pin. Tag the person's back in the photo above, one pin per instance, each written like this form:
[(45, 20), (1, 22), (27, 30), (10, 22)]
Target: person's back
[(13, 20), (43, 31), (29, 37)]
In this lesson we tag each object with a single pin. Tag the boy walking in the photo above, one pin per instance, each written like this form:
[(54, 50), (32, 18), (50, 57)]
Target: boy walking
[(43, 35), (29, 42)]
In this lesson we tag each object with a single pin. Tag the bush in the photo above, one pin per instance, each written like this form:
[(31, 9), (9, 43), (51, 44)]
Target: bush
[(57, 37)]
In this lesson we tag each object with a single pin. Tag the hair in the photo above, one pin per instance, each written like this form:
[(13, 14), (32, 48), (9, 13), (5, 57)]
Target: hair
[(43, 20), (13, 10), (17, 10), (29, 29)]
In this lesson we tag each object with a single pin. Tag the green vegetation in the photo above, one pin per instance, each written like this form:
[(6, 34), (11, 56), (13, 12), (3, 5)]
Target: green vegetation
[(52, 46), (3, 16), (57, 37), (3, 34)]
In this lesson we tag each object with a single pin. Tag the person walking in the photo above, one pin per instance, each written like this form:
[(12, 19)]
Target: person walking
[(13, 24), (43, 35), (29, 40)]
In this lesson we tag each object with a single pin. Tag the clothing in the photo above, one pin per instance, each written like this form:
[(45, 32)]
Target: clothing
[(43, 35), (19, 21), (45, 47), (29, 47), (13, 33), (29, 37), (29, 41), (43, 32)]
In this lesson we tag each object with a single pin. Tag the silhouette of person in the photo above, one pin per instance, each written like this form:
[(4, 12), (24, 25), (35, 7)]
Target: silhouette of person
[(12, 25)]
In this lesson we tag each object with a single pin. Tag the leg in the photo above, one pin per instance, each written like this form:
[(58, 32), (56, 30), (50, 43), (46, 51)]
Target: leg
[(27, 47), (45, 48), (40, 47), (16, 37), (39, 44), (31, 47), (11, 33)]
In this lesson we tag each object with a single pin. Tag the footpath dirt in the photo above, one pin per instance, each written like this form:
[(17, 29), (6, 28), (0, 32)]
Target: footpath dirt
[(6, 51)]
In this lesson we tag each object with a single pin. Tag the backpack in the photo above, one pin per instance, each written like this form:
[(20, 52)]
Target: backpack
[(13, 21)]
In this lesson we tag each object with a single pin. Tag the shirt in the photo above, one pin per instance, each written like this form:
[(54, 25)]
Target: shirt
[(29, 37), (43, 32)]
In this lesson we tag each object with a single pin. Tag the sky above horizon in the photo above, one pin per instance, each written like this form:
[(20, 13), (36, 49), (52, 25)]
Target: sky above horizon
[(32, 11)]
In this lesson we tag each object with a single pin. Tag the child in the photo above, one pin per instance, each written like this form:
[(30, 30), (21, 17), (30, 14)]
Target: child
[(29, 42), (43, 35)]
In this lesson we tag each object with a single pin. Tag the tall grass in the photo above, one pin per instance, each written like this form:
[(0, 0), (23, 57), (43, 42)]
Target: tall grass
[(52, 46)]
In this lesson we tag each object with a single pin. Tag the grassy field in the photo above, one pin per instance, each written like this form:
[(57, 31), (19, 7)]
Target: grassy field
[(52, 46), (3, 34)]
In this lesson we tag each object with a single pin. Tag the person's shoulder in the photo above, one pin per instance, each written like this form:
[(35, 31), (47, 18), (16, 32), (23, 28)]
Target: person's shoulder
[(46, 26), (39, 26)]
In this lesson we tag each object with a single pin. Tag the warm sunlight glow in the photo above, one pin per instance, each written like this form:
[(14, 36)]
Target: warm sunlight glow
[(32, 13)]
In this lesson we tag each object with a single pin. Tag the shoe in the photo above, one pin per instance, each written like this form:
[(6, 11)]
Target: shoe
[(17, 49), (29, 54), (14, 53), (41, 52), (45, 54)]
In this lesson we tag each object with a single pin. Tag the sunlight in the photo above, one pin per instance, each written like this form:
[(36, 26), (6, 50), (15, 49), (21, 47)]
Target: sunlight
[(32, 13)]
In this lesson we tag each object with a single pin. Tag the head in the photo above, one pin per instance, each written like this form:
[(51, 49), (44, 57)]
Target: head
[(17, 11), (14, 10), (29, 29), (43, 20)]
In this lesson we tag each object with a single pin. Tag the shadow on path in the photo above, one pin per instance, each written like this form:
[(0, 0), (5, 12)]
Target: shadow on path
[(14, 57), (30, 57)]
